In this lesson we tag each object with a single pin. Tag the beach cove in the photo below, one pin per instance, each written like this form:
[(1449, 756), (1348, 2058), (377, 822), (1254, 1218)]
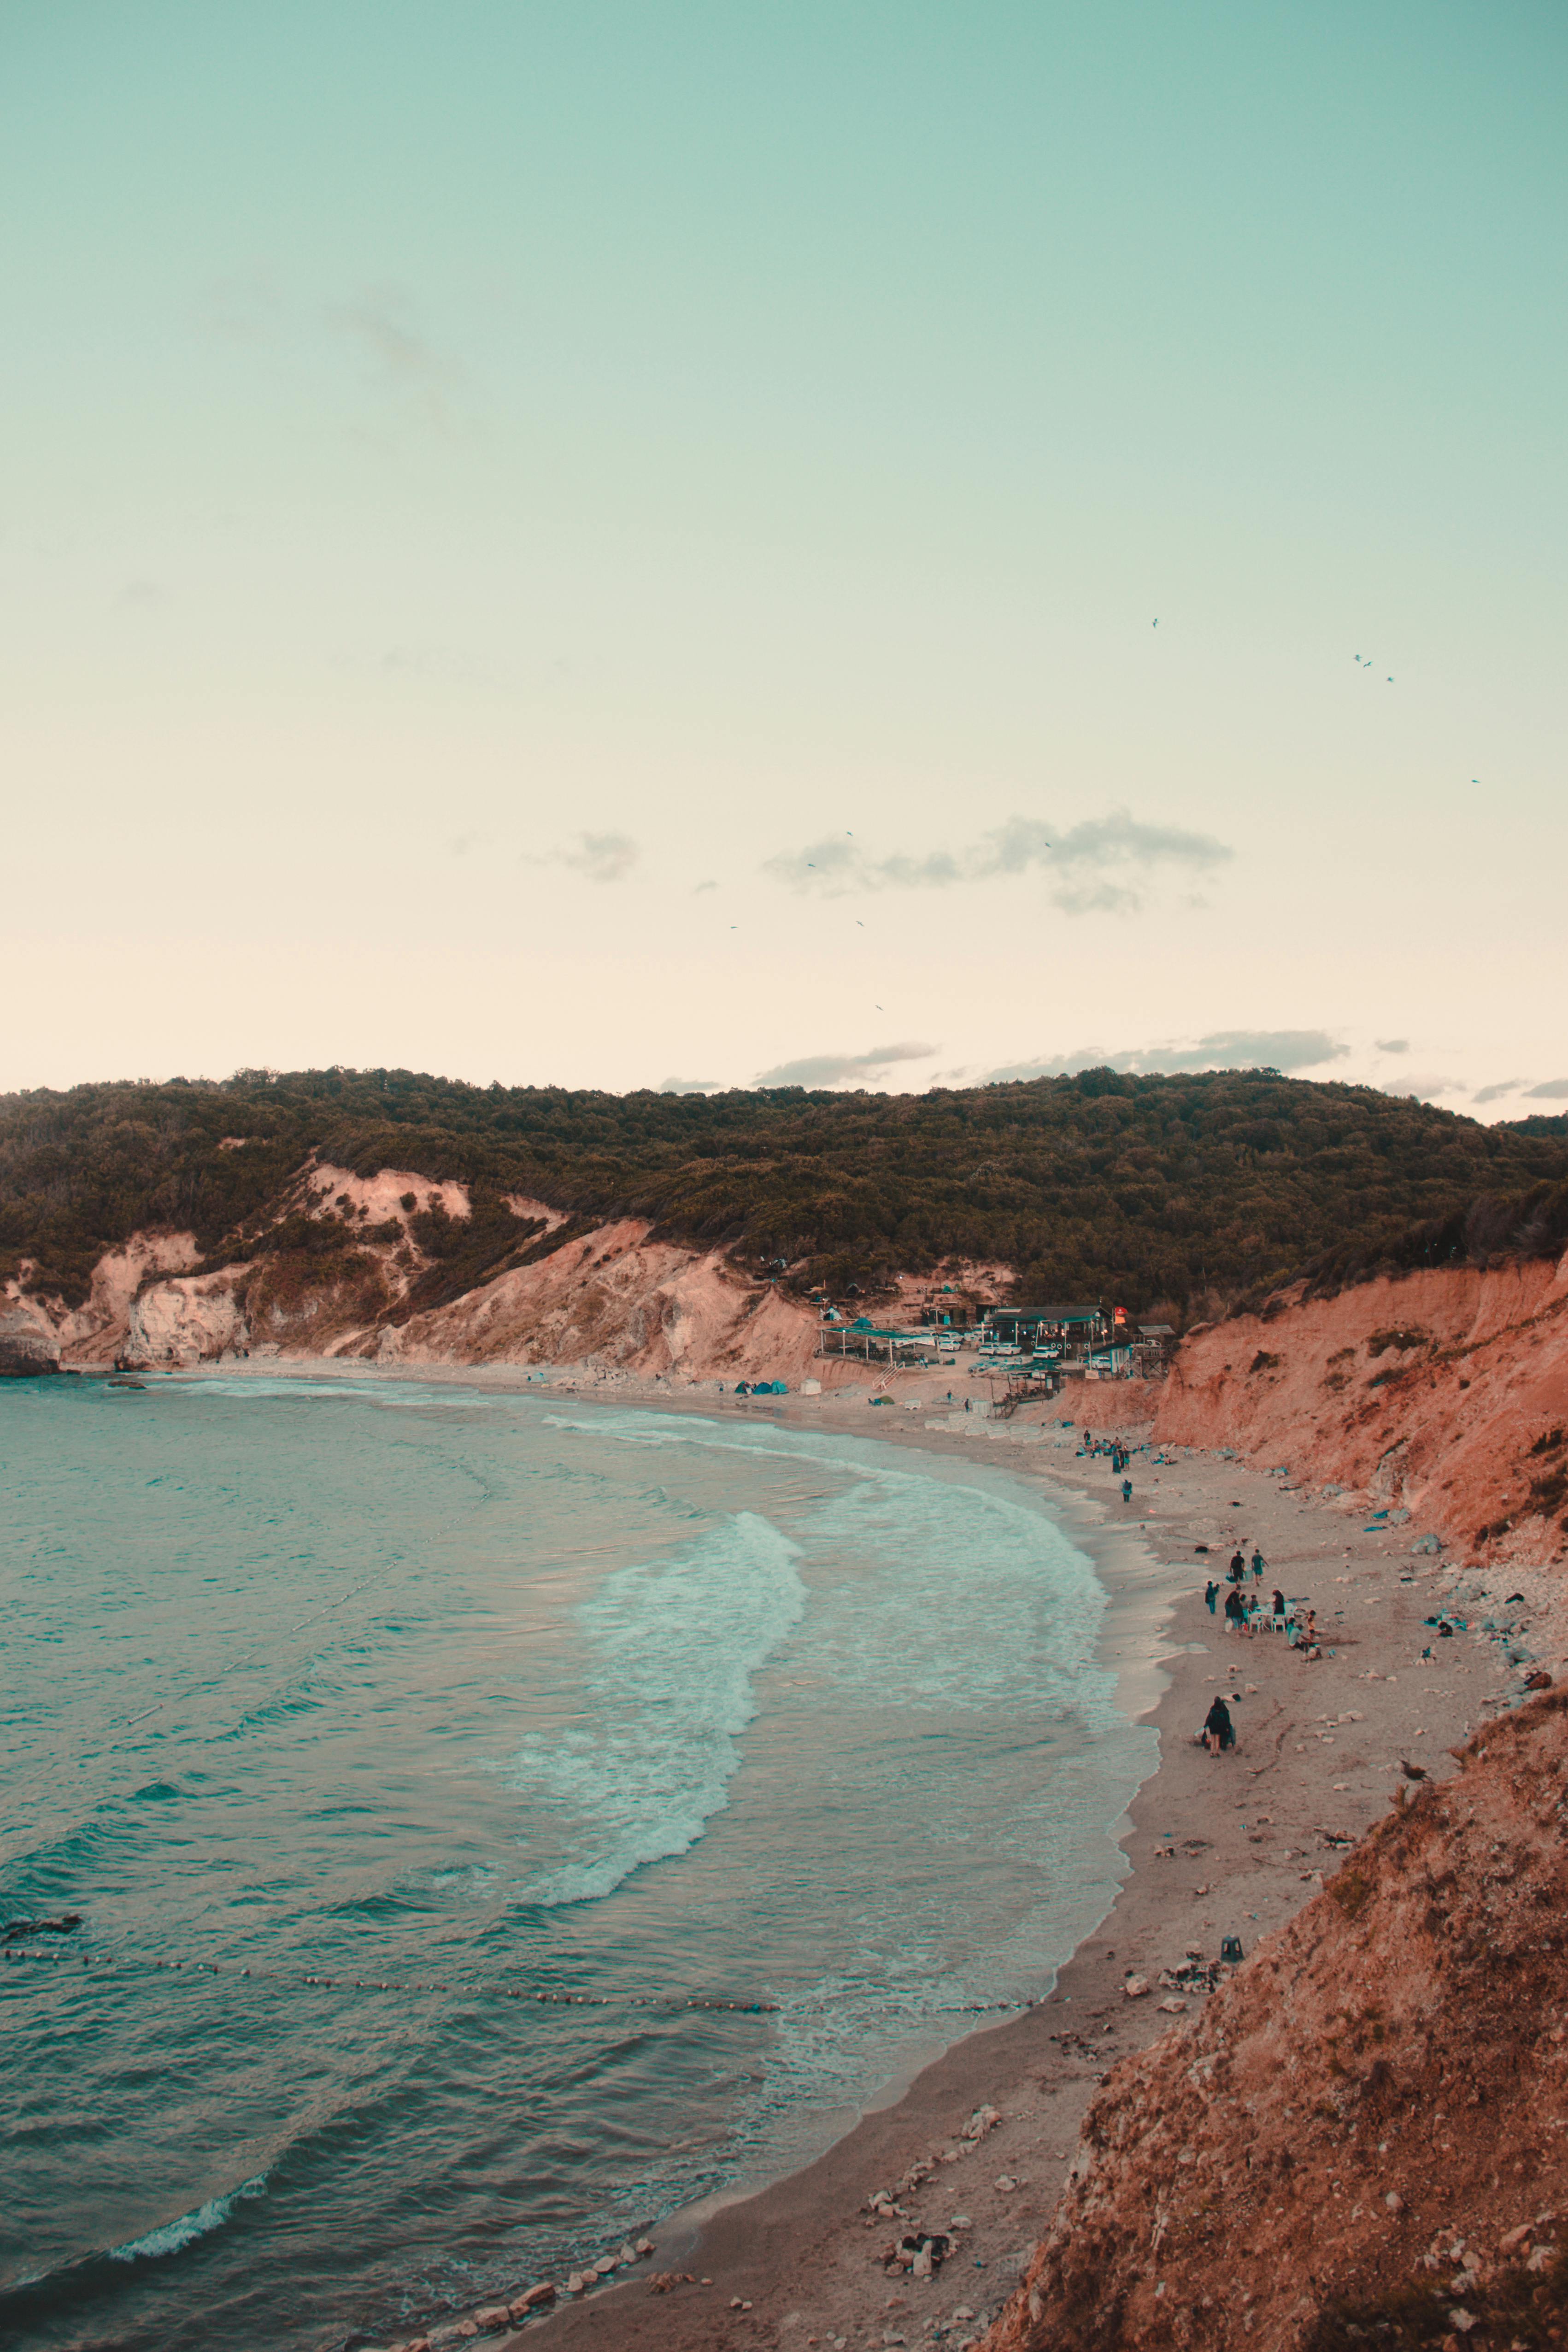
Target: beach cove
[(1214, 1846), (494, 1823)]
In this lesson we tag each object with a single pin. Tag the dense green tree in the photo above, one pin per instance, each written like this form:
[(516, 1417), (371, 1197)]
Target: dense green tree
[(1177, 1191)]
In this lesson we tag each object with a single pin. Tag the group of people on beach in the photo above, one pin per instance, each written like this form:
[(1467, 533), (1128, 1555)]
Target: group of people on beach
[(1245, 1614), (1120, 1458)]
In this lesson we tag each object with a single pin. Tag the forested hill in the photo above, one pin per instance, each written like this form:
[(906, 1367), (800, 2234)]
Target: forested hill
[(1176, 1191)]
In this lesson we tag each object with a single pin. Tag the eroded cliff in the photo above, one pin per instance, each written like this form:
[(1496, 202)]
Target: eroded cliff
[(1443, 1393), (1363, 2136), (342, 1265)]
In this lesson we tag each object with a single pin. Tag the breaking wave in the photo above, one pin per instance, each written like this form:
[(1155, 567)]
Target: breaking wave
[(672, 1646), (172, 2237)]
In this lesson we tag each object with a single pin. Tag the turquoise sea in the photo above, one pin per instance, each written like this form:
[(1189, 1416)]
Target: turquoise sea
[(765, 1757)]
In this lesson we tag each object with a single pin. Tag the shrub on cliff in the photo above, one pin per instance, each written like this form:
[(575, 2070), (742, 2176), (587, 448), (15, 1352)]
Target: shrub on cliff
[(1102, 1185)]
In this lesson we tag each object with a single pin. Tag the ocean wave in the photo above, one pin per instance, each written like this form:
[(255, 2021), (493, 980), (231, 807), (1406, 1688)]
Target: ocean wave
[(673, 1647), (172, 2237)]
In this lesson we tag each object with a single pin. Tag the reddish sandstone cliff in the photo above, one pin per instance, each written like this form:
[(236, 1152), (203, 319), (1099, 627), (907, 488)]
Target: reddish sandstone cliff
[(1364, 2134), (1443, 1393)]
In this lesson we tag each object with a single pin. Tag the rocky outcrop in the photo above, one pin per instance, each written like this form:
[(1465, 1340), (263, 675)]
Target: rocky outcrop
[(1444, 1393), (98, 1331), (1363, 2136), (184, 1321), (615, 1297), (612, 1299), (28, 1345)]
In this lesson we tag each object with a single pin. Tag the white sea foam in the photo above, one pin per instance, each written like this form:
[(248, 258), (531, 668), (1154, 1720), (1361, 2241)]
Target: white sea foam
[(672, 1646), (937, 1556), (183, 2230)]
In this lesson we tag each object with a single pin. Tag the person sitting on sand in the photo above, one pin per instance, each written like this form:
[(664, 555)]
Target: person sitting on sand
[(1219, 1731)]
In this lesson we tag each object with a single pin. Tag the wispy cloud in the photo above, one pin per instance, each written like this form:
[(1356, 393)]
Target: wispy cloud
[(1494, 1094), (1223, 1049), (843, 1069), (597, 856), (1392, 1044), (1428, 1088), (691, 1085), (1554, 1090), (379, 324), (1094, 865)]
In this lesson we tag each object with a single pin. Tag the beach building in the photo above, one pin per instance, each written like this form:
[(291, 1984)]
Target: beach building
[(1088, 1340), (1046, 1330), (874, 1344)]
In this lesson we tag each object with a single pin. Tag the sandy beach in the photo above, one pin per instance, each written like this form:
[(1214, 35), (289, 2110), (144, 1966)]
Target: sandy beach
[(1215, 1847)]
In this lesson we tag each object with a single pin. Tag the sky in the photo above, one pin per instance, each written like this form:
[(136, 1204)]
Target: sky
[(630, 545)]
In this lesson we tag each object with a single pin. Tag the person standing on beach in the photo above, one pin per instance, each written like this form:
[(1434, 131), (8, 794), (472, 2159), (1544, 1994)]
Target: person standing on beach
[(1258, 1564), (1219, 1731), (1126, 1490), (1211, 1593), (1238, 1567)]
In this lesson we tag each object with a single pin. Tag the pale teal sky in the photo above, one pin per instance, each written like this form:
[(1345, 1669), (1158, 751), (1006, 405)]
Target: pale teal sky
[(473, 475)]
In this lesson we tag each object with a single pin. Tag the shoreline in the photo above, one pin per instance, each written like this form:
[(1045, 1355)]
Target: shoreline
[(1211, 1846)]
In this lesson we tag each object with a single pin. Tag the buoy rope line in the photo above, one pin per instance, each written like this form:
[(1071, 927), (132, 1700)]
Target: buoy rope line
[(669, 2004)]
